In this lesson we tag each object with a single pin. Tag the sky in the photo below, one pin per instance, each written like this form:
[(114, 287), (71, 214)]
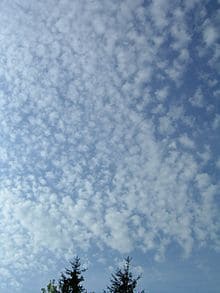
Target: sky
[(109, 142)]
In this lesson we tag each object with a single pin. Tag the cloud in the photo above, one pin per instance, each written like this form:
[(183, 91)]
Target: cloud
[(165, 125), (186, 141), (216, 122), (96, 147), (218, 163), (210, 34), (197, 100), (159, 10)]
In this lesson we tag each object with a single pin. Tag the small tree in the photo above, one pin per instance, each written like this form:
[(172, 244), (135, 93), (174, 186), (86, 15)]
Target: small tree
[(122, 281), (51, 288), (71, 279)]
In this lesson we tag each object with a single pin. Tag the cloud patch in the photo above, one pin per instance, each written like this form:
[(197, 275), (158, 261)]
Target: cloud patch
[(99, 145)]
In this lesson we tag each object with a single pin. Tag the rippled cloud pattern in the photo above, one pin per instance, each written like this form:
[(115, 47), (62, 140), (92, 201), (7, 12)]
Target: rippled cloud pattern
[(109, 130)]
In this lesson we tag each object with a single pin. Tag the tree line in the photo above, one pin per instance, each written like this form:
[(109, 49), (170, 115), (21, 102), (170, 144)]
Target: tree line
[(71, 281)]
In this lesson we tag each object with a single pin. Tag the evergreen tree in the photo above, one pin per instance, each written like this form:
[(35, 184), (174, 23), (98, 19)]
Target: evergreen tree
[(51, 288), (71, 279), (122, 281)]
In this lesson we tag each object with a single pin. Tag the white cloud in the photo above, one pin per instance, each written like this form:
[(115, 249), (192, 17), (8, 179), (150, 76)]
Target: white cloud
[(159, 10), (186, 141), (197, 100), (90, 125), (166, 125), (210, 34), (218, 163), (119, 232), (179, 31), (161, 94), (203, 180), (216, 122)]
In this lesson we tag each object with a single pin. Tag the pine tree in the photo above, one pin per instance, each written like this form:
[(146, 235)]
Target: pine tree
[(122, 281), (51, 288), (71, 279)]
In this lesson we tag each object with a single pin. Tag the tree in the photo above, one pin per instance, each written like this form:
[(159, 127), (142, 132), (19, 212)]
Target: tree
[(122, 281), (71, 279), (51, 288)]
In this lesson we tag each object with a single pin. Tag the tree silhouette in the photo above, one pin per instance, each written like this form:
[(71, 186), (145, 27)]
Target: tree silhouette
[(51, 288), (71, 279), (122, 281)]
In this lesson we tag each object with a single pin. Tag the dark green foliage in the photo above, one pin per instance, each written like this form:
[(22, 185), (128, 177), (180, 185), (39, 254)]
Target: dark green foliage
[(70, 281), (122, 281), (51, 288)]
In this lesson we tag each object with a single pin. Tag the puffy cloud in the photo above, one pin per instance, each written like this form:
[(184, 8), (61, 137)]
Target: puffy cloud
[(96, 147), (186, 141), (216, 122), (210, 34), (197, 99)]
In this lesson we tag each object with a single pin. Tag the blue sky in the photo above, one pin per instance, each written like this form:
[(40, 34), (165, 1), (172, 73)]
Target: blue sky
[(109, 141)]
